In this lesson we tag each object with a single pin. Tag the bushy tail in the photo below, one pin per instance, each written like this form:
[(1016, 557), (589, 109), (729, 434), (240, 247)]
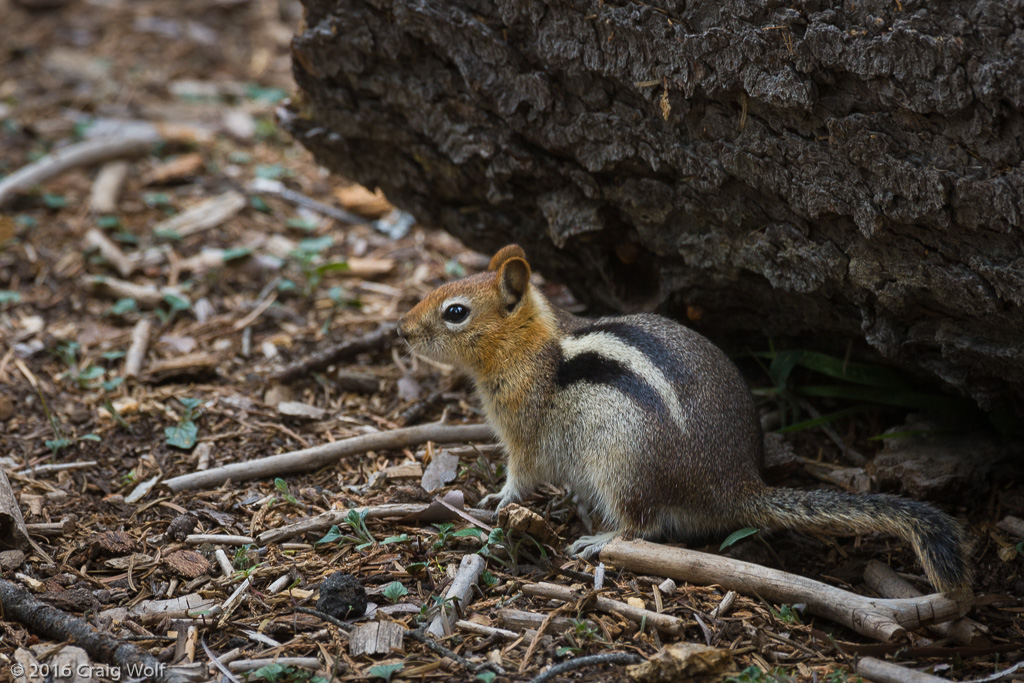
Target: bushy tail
[(938, 539)]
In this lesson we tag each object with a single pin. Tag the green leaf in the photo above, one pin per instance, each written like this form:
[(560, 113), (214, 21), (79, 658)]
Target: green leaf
[(125, 237), (237, 157), (176, 303), (258, 204), (489, 579), (112, 384), (57, 445), (236, 253), (183, 435), (190, 403), (858, 373), (123, 307), (301, 224), (90, 373), (401, 538), (55, 201), (782, 366), (89, 437), (486, 676), (395, 591), (168, 234), (113, 355), (273, 171), (287, 285), (314, 245), (270, 95), (8, 296), (281, 485), (737, 536), (25, 221), (385, 671), (333, 267), (156, 199), (462, 533), (333, 534), (108, 222)]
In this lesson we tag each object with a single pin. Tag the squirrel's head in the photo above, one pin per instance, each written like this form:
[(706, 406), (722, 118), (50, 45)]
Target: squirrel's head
[(470, 322)]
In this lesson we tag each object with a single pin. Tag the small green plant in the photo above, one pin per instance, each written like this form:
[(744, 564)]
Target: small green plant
[(175, 304), (184, 434), (281, 673), (8, 296), (242, 560), (788, 614), (55, 201), (486, 676), (489, 579), (581, 634), (385, 671), (445, 534), (307, 258), (840, 675), (395, 591), (282, 486), (356, 520)]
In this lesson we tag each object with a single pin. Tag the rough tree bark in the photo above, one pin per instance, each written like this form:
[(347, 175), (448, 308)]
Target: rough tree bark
[(810, 168)]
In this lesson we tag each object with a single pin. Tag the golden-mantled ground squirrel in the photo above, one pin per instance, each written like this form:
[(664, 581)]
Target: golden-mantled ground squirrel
[(646, 421)]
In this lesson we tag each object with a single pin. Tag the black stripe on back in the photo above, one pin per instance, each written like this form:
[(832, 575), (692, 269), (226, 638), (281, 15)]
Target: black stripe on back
[(591, 367), (648, 344)]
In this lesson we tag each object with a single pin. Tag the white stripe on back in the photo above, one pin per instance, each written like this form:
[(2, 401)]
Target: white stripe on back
[(614, 348)]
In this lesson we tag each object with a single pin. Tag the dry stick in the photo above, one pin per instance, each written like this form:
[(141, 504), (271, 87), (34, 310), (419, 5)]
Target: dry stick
[(49, 622), (482, 630), (589, 660), (321, 359), (207, 214), (470, 569), (318, 456), (84, 153), (887, 583), (110, 251), (663, 622), (137, 351), (144, 295), (537, 636), (107, 187), (276, 187), (326, 520), (879, 619), (879, 671)]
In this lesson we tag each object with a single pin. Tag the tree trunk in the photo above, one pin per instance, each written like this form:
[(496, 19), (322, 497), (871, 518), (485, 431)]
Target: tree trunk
[(814, 169)]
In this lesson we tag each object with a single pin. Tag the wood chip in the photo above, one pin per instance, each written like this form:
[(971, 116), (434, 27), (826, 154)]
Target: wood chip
[(187, 563), (376, 638), (176, 169), (204, 215)]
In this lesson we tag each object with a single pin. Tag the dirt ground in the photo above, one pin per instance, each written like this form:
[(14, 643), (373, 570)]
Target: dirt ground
[(88, 451)]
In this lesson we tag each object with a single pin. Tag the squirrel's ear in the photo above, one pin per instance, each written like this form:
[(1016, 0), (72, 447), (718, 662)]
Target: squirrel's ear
[(513, 280), (504, 254)]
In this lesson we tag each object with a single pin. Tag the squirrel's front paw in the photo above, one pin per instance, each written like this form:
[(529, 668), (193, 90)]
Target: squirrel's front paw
[(490, 499)]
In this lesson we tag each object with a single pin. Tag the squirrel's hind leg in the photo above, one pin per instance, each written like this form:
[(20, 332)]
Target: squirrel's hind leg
[(588, 547)]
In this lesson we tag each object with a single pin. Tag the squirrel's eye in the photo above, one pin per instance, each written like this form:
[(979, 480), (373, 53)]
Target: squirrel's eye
[(455, 313)]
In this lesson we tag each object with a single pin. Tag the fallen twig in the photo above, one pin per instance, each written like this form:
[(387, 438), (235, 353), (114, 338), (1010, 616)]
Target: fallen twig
[(608, 658), (144, 295), (325, 454), (332, 354), (663, 622), (468, 576), (482, 630), (276, 187), (111, 252), (207, 214), (887, 583), (86, 153), (137, 350), (107, 187), (883, 620), (48, 621), (886, 672)]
